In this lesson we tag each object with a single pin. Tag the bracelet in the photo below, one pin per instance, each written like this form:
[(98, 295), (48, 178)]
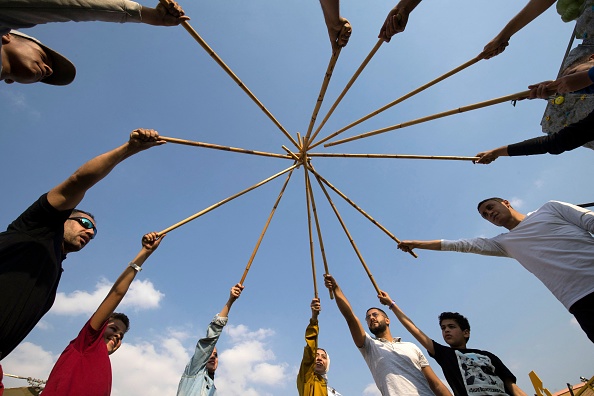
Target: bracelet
[(391, 305), (136, 267)]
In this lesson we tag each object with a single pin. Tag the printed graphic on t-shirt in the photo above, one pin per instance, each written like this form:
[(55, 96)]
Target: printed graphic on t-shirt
[(479, 374)]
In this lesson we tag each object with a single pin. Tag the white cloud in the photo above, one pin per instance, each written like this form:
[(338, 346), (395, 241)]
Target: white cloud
[(19, 103), (371, 390), (142, 295), (154, 367), (44, 325), (248, 367), (516, 202), (148, 368), (27, 360)]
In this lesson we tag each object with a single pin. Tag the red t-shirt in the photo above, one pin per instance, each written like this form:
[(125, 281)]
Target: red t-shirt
[(83, 368)]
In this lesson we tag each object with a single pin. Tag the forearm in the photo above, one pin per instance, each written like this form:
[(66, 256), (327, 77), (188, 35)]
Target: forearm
[(69, 193), (409, 325), (427, 245), (225, 311), (331, 10), (408, 5), (27, 13), (568, 138), (530, 12)]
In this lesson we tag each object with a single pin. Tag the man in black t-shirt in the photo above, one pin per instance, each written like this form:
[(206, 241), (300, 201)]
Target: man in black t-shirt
[(35, 244), (468, 371)]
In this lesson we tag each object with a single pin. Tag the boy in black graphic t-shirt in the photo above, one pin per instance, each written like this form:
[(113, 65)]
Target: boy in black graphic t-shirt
[(468, 371)]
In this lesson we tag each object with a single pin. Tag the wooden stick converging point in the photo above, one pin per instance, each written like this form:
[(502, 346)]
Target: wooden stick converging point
[(219, 147), (280, 195), (228, 70), (322, 93), (347, 87), (350, 202), (348, 234), (390, 156), (292, 154), (402, 98), (310, 233), (318, 229), (224, 201), (516, 96)]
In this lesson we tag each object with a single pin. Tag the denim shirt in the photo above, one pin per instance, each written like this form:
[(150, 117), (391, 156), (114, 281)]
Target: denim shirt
[(195, 380)]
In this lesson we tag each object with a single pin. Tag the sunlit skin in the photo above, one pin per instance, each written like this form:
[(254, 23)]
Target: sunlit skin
[(213, 362), (321, 366), (76, 236), (113, 335), (500, 214), (377, 322), (453, 335), (23, 61)]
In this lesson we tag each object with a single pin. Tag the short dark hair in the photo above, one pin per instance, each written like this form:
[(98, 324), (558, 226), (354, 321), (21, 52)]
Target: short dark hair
[(379, 309), (489, 199), (122, 317), (76, 210), (461, 320)]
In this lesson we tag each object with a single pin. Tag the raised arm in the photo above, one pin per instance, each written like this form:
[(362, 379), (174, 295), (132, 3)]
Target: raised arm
[(339, 29), (150, 243), (530, 12), (407, 246), (397, 19), (407, 322), (233, 295), (434, 382), (311, 347), (69, 193), (357, 331)]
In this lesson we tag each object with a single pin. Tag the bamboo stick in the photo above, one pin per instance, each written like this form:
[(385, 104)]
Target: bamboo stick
[(348, 234), (516, 96), (224, 201), (403, 98), (405, 156), (280, 195), (228, 70), (586, 205), (323, 89), (347, 87), (292, 154), (219, 147), (310, 231), (319, 230), (354, 205)]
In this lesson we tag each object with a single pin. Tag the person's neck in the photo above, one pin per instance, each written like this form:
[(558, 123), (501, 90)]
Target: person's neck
[(386, 335), (515, 219)]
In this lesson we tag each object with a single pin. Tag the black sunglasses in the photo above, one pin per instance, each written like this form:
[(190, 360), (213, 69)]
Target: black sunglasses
[(85, 223)]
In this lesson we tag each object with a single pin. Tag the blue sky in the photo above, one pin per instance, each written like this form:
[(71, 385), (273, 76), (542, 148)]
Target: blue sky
[(132, 76)]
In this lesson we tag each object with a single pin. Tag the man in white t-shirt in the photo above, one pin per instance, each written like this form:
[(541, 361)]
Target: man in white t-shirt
[(554, 243), (398, 368)]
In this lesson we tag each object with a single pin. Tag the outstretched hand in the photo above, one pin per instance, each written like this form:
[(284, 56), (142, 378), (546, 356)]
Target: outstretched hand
[(315, 307), (340, 33), (166, 13), (384, 298), (151, 241), (395, 23), (407, 246), (494, 47), (142, 139), (236, 291), (329, 282), (486, 157)]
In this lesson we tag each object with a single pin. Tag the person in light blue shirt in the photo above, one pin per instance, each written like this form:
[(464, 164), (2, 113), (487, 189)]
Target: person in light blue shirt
[(198, 377)]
